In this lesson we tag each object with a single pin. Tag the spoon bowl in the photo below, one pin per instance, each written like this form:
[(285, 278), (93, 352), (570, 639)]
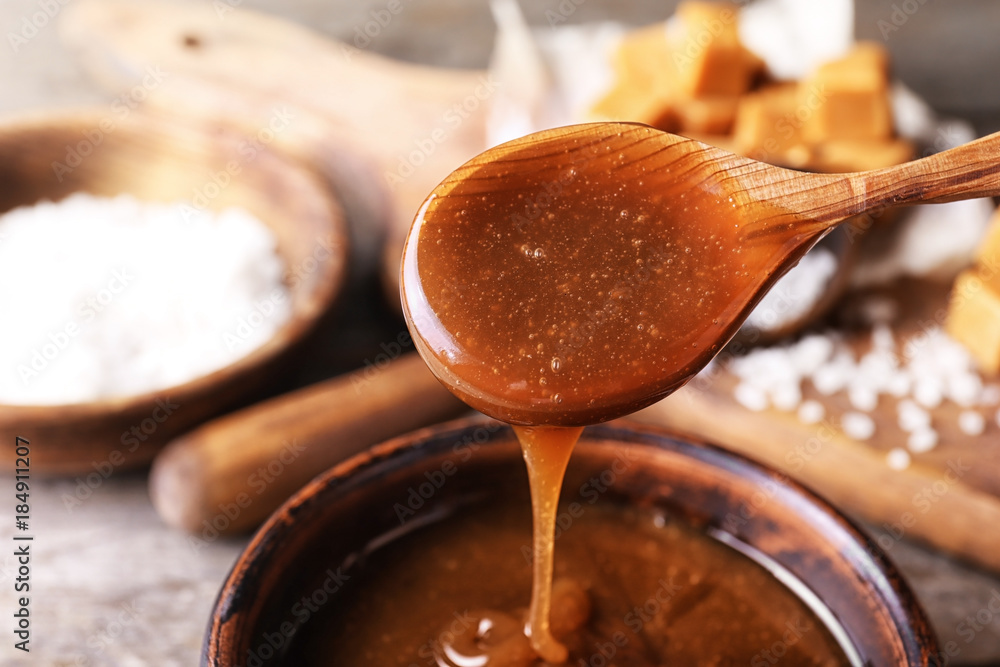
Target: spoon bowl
[(582, 273)]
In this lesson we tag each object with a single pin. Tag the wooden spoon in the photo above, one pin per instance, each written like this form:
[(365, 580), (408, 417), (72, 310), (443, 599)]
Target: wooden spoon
[(580, 274)]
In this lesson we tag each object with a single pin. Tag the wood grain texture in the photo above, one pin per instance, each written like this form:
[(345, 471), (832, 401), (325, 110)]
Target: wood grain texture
[(969, 171), (384, 132), (949, 498), (230, 474)]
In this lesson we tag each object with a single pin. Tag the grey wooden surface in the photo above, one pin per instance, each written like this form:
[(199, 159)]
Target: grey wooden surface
[(113, 586)]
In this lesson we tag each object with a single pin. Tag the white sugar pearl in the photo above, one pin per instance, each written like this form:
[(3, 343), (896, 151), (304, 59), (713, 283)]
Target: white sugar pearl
[(787, 397), (898, 459), (965, 389), (971, 422), (750, 397), (882, 338), (862, 398), (912, 417), (899, 384), (929, 392), (857, 425), (811, 412), (922, 440)]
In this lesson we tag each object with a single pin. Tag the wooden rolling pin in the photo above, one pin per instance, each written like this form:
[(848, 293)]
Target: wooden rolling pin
[(230, 474)]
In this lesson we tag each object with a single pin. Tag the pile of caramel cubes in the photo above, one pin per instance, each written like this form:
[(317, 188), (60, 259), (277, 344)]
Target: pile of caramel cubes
[(692, 76)]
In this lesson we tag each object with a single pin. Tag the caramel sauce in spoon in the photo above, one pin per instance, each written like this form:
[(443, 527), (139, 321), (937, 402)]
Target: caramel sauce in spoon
[(583, 273), (572, 280)]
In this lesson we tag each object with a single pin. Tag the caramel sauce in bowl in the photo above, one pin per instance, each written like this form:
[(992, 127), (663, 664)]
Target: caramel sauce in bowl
[(336, 569)]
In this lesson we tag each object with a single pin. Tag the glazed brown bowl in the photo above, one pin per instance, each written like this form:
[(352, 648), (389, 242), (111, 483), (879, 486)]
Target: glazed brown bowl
[(804, 542), (162, 159)]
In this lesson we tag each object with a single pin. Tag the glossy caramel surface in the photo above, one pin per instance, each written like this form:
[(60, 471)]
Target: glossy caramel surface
[(567, 278), (632, 588)]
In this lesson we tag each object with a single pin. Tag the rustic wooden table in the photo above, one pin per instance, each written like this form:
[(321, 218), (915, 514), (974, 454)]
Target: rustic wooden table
[(111, 585)]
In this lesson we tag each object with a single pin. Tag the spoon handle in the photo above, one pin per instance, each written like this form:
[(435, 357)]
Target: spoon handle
[(968, 171)]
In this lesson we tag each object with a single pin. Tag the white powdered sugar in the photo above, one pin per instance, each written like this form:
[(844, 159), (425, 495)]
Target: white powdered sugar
[(115, 297), (898, 459)]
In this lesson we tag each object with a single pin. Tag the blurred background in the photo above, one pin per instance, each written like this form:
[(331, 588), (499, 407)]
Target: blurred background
[(943, 53), (115, 586)]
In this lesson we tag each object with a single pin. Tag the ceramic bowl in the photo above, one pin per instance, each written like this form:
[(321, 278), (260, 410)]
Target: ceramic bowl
[(818, 553)]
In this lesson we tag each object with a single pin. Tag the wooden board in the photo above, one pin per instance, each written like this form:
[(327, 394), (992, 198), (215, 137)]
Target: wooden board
[(949, 497), (384, 132)]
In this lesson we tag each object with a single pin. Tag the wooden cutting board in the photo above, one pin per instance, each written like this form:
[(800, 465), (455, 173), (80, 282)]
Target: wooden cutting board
[(385, 133), (949, 497)]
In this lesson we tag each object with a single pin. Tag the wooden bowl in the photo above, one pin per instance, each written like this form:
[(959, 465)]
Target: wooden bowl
[(159, 159), (331, 520)]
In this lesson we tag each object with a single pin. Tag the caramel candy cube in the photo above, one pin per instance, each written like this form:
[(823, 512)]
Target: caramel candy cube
[(629, 102), (706, 52), (641, 62), (974, 316), (988, 253), (845, 155), (848, 99), (767, 129), (705, 115), (643, 84)]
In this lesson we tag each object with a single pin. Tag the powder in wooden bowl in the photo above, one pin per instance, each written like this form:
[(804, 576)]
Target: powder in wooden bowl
[(106, 297)]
